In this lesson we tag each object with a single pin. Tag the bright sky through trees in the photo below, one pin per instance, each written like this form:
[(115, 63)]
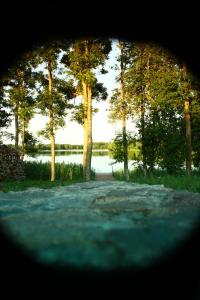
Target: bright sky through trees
[(102, 129)]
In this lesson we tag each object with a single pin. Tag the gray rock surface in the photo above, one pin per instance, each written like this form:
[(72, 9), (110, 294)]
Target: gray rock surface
[(99, 224), (11, 167)]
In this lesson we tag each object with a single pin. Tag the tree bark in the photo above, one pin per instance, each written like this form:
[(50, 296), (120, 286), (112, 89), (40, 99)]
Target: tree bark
[(23, 127), (85, 127), (142, 122), (52, 140), (188, 138), (89, 133), (123, 111), (51, 122), (22, 117), (17, 126), (188, 129), (23, 137), (20, 77)]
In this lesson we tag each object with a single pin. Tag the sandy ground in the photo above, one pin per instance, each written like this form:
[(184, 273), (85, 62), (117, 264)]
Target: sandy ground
[(104, 176)]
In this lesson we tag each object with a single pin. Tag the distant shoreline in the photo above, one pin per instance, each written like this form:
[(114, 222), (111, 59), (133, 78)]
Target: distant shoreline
[(74, 150)]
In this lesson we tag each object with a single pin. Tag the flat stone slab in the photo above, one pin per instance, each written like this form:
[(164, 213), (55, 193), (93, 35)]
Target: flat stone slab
[(99, 224)]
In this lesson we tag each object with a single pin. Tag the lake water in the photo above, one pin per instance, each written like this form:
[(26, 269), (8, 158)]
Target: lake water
[(101, 162)]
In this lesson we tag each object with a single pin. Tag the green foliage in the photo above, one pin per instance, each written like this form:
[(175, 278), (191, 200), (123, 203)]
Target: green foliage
[(177, 182), (86, 55), (30, 143), (81, 61), (115, 105), (55, 101), (29, 183), (155, 93), (5, 115), (116, 148)]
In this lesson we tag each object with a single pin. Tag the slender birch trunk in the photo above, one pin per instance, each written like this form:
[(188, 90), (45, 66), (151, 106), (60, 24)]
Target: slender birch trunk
[(51, 122), (188, 129), (123, 111)]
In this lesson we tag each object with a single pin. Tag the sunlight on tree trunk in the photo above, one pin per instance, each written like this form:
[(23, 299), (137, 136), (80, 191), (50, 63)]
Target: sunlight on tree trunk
[(82, 59), (51, 124), (87, 146), (188, 138), (23, 136), (20, 76), (142, 111), (22, 92), (52, 139), (17, 126), (188, 129), (150, 100), (123, 111), (89, 133), (85, 127)]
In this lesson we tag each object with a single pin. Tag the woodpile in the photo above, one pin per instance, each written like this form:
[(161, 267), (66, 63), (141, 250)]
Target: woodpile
[(11, 167)]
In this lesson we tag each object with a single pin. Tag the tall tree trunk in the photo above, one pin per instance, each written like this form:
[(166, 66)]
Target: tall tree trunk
[(188, 129), (123, 111), (22, 91), (149, 98), (51, 123), (17, 126), (52, 140), (87, 104), (85, 127), (89, 133), (21, 116), (23, 138), (142, 122), (188, 138)]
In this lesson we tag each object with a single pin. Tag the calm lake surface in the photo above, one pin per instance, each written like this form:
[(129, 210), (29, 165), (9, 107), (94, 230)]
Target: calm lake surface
[(101, 162)]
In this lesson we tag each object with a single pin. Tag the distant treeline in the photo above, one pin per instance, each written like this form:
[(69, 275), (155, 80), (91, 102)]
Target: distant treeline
[(133, 146), (97, 145)]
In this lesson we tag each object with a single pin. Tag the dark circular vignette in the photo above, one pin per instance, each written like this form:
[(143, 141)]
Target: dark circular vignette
[(176, 275)]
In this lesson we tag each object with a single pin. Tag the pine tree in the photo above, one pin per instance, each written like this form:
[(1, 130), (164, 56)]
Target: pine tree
[(83, 58), (53, 95), (20, 81)]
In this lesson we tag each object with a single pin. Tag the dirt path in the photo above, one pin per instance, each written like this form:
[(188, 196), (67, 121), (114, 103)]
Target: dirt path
[(104, 176)]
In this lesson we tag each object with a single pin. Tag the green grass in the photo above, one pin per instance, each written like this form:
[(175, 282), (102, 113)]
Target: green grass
[(177, 182), (38, 175), (22, 185)]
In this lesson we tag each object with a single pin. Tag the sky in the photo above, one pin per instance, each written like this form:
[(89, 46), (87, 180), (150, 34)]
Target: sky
[(103, 130)]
